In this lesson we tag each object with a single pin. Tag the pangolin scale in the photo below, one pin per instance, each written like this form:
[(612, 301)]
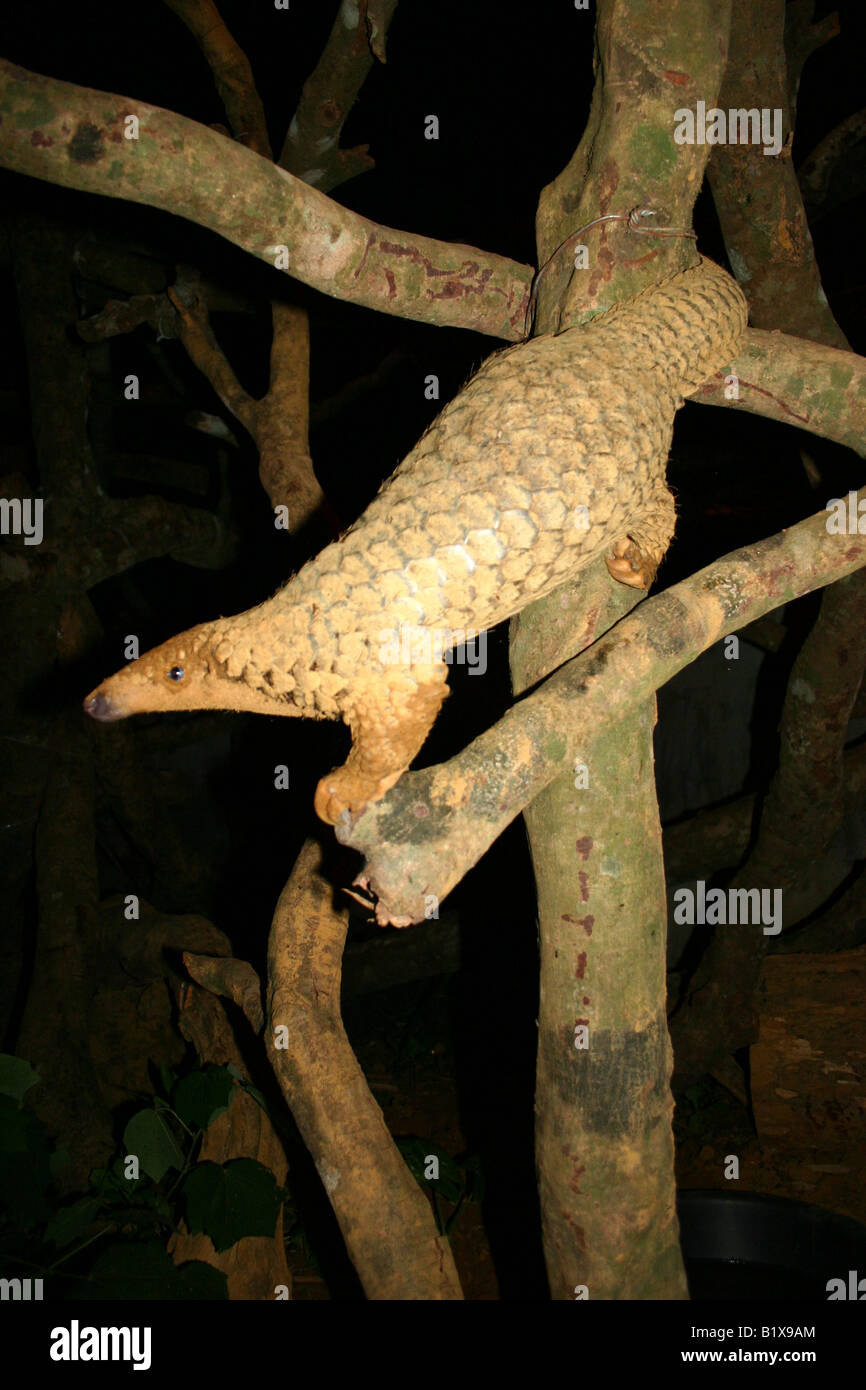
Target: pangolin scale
[(552, 454)]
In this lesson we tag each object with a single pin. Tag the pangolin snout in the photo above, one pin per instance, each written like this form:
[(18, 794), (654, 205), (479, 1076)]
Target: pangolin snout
[(100, 706)]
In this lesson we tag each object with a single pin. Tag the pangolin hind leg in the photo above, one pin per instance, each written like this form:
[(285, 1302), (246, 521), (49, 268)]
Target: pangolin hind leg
[(389, 723), (634, 558)]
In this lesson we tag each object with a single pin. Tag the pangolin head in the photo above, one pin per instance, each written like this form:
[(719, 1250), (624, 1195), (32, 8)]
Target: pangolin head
[(182, 674)]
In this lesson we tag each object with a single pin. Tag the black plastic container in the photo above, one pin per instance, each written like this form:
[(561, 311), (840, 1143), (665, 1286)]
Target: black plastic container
[(745, 1245)]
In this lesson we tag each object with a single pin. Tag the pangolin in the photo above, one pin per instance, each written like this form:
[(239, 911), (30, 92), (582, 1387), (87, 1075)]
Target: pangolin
[(552, 454)]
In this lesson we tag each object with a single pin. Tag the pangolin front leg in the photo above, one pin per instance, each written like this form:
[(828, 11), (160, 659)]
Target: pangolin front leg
[(389, 723), (635, 557)]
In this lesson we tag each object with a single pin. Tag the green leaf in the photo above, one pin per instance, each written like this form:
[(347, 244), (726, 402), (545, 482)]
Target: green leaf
[(110, 1184), (149, 1138), (16, 1076), (232, 1200), (203, 1095), (143, 1269), (25, 1166), (69, 1224), (167, 1077)]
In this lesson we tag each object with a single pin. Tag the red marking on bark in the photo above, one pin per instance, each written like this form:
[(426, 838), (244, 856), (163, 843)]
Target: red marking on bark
[(589, 622), (371, 242), (587, 923), (587, 999), (41, 140), (778, 578), (608, 185), (583, 846), (577, 1173), (567, 917), (469, 279), (392, 283), (579, 1236), (393, 248), (581, 965), (583, 881), (635, 261), (453, 291), (678, 79), (759, 391)]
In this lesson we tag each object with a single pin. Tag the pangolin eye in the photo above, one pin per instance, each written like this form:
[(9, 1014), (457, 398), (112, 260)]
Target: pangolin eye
[(176, 673)]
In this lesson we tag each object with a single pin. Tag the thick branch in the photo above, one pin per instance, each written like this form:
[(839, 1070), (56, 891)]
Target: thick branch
[(386, 1222), (78, 138), (435, 824), (829, 177), (623, 162), (312, 147), (279, 421), (756, 192), (45, 132), (599, 875), (803, 38), (817, 388)]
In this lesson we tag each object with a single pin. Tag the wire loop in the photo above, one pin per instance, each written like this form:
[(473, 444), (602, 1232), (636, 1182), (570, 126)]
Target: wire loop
[(632, 220)]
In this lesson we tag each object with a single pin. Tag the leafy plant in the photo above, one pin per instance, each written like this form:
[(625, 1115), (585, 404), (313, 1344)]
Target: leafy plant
[(110, 1242)]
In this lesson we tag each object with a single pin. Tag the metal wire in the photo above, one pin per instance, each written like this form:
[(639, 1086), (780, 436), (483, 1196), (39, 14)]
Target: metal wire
[(632, 220)]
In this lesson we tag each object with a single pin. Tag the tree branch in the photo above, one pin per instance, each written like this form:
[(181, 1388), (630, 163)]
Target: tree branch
[(830, 162), (312, 146), (279, 421), (817, 388), (803, 38), (756, 192), (434, 825), (623, 163), (339, 1119), (75, 137), (231, 70)]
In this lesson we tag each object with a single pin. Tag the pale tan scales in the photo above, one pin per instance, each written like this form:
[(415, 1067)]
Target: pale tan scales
[(552, 454)]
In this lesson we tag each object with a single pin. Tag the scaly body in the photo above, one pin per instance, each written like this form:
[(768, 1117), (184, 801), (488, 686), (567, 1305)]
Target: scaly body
[(553, 454)]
